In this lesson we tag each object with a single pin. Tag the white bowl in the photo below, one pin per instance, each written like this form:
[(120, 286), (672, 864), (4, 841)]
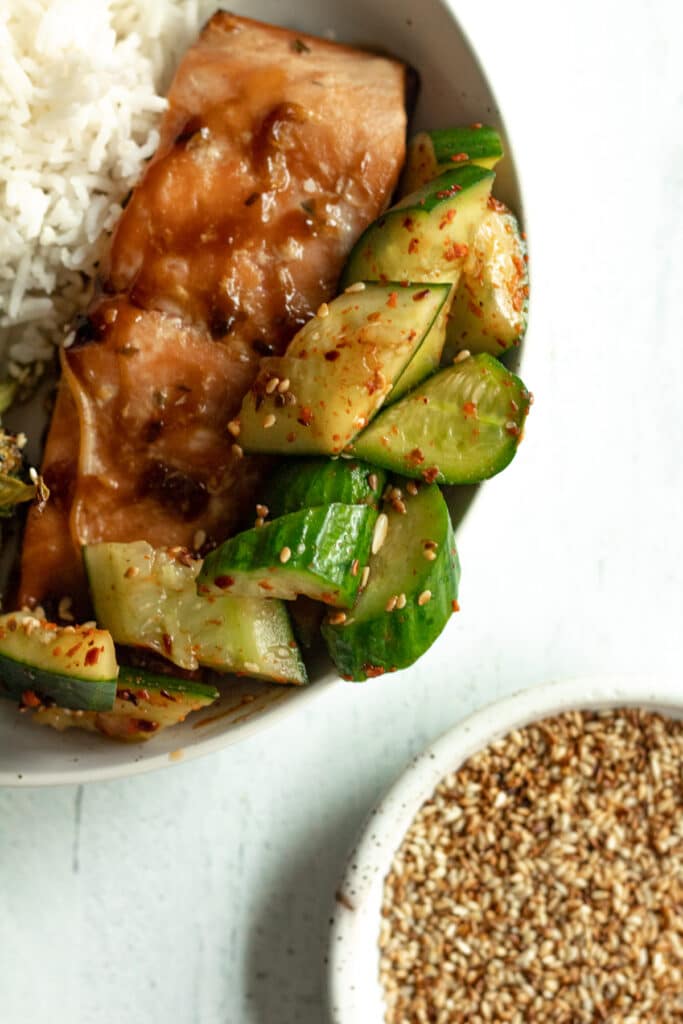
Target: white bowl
[(354, 992), (453, 90)]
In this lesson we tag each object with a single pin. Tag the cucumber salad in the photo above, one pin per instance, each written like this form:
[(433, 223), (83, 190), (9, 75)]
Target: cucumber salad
[(394, 388)]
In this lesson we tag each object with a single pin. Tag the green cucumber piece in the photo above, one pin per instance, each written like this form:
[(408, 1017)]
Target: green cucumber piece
[(148, 598), (462, 426), (304, 483), (141, 679), (415, 573), (315, 551), (490, 307), (427, 235), (432, 153), (339, 369), (146, 702), (74, 666)]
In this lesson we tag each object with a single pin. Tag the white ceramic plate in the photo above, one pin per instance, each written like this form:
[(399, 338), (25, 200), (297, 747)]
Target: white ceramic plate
[(453, 90), (355, 995)]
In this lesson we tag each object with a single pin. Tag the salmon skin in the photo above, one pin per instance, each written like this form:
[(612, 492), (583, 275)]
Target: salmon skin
[(276, 151)]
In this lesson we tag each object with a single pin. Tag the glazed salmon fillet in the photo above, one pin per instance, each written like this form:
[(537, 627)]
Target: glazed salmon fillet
[(276, 151)]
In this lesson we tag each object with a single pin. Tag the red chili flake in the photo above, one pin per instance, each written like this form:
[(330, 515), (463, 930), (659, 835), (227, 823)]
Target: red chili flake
[(446, 219), (477, 124), (455, 251), (512, 429), (143, 725), (495, 204), (416, 456), (392, 301), (421, 295), (404, 283), (331, 356), (93, 655), (459, 158), (430, 475), (223, 582), (414, 245), (30, 700), (265, 585), (383, 278), (412, 335), (475, 309), (446, 193), (306, 417), (408, 223), (291, 436), (372, 671), (470, 410), (455, 606), (374, 317)]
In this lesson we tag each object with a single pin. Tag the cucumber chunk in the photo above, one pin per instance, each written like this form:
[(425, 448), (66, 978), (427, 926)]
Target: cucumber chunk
[(339, 369), (74, 666), (427, 235), (146, 702), (490, 309), (411, 593), (432, 153), (304, 483), (315, 551), (148, 598), (462, 426)]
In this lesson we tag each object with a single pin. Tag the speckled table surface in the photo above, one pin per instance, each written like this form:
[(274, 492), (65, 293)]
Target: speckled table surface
[(203, 893)]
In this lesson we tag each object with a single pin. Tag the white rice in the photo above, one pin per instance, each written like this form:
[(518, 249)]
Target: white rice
[(81, 92)]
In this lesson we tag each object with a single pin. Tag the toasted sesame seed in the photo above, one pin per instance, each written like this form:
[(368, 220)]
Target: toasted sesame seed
[(399, 506), (336, 618), (269, 421), (391, 603), (354, 567), (283, 385), (365, 576), (262, 511), (131, 572), (272, 385), (373, 481), (237, 451), (412, 488), (300, 548), (462, 355), (379, 534), (429, 554), (33, 473), (532, 885), (199, 539), (234, 428), (401, 602), (359, 286), (424, 597), (64, 609), (323, 310), (258, 522), (285, 554)]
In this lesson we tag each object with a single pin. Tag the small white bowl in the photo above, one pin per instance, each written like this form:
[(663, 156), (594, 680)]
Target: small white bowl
[(354, 992)]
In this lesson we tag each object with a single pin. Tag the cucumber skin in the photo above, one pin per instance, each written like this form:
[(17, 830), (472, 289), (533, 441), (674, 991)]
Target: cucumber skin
[(359, 650), (478, 143), (142, 679), (348, 528), (367, 252), (69, 692), (374, 451), (305, 483)]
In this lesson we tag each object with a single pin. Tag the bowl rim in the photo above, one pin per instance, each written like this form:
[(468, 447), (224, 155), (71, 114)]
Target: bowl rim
[(353, 990)]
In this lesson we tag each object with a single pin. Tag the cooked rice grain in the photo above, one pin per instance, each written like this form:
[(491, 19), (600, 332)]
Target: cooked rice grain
[(80, 96)]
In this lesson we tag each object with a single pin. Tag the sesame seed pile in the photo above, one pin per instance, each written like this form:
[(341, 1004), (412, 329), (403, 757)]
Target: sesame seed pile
[(543, 881)]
